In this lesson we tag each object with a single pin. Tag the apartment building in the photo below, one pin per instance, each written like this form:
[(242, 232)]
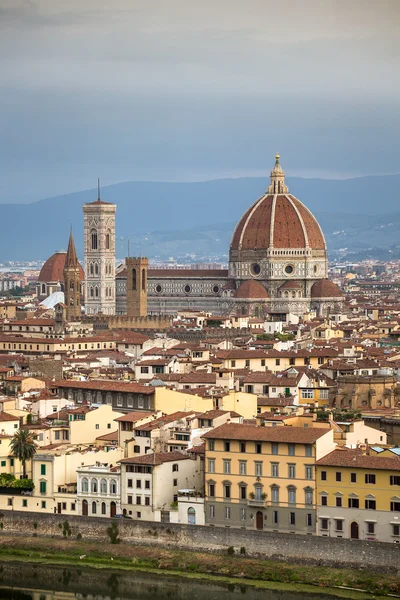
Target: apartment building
[(358, 495), (150, 484), (263, 477)]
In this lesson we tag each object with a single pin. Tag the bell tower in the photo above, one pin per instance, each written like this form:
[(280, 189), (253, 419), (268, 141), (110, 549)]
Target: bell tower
[(99, 240), (72, 283), (136, 286)]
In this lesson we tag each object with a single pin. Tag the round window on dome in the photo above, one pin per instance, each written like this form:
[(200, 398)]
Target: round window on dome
[(216, 289), (158, 289), (289, 269), (255, 269), (315, 269), (187, 289)]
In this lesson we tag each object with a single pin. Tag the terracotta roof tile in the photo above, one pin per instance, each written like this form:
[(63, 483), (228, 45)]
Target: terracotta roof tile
[(356, 458), (233, 431), (158, 458)]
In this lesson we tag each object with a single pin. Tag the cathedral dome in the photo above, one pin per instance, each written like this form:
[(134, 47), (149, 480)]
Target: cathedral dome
[(278, 220), (251, 289), (52, 270), (324, 288)]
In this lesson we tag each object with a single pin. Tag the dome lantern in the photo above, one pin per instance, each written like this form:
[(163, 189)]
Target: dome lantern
[(277, 185)]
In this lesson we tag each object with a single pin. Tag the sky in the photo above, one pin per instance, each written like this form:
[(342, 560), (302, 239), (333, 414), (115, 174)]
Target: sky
[(181, 90)]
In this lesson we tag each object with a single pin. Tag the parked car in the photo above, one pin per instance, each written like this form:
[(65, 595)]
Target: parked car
[(121, 516)]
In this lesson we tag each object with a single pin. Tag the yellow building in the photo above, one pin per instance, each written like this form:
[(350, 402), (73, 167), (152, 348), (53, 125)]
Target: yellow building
[(358, 495), (274, 360), (171, 401), (263, 477)]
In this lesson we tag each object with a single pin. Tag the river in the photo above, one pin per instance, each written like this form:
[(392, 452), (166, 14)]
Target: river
[(25, 581)]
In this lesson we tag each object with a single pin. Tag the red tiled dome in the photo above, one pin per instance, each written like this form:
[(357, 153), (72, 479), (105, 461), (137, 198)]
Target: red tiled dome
[(53, 268), (251, 289), (324, 288), (279, 221)]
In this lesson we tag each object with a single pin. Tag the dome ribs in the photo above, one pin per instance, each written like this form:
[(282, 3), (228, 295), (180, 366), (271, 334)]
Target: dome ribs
[(288, 230)]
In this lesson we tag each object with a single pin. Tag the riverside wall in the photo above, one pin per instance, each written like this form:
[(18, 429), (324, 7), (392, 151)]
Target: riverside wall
[(334, 552)]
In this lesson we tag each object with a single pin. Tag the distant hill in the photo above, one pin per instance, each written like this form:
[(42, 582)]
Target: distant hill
[(177, 219)]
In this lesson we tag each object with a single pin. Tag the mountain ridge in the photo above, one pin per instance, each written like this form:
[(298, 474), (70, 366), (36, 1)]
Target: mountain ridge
[(351, 212)]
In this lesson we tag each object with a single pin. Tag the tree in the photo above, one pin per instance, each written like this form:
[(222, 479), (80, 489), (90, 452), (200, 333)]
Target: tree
[(23, 447)]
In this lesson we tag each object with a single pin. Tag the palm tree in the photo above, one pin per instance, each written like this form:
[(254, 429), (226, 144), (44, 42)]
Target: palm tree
[(23, 447)]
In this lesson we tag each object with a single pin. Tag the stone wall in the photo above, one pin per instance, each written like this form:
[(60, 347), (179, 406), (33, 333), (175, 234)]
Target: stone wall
[(151, 322), (286, 547)]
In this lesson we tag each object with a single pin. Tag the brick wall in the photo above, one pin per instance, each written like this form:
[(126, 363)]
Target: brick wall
[(286, 547)]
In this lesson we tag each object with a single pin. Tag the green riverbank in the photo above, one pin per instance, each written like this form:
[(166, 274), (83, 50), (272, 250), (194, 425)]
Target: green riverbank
[(235, 570)]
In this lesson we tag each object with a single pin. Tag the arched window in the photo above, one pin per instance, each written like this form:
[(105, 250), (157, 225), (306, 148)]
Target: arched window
[(94, 508), (71, 285), (94, 486), (109, 398), (43, 288), (134, 283), (96, 291), (107, 240), (275, 493), (85, 485), (91, 268), (144, 279), (308, 495), (94, 239), (113, 486), (103, 486), (191, 515), (96, 269), (91, 292), (103, 508)]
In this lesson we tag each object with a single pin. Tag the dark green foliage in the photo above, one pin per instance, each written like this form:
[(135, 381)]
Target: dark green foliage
[(23, 447), (113, 533)]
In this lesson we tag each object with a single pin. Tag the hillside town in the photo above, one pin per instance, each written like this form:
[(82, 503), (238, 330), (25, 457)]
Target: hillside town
[(264, 396)]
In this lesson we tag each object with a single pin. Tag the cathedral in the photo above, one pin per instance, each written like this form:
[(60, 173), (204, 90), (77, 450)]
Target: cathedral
[(277, 265)]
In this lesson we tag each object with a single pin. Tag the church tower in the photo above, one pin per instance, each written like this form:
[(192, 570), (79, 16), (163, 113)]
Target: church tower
[(99, 243), (136, 286), (72, 283)]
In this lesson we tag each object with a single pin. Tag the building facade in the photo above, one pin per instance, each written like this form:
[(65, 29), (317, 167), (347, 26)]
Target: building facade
[(358, 494), (263, 477)]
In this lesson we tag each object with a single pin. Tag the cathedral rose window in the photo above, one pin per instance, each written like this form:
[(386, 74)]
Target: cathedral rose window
[(289, 269), (255, 269)]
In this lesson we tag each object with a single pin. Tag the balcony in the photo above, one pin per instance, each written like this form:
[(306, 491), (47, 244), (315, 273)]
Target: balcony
[(259, 503)]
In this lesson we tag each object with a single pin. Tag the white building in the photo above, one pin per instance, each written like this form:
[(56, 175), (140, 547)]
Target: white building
[(99, 490), (150, 484)]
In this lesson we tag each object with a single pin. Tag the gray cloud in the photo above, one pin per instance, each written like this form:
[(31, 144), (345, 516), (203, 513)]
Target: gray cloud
[(171, 89)]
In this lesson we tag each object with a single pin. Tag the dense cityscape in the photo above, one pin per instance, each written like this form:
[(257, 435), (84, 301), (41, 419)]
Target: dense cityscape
[(199, 300), (264, 395)]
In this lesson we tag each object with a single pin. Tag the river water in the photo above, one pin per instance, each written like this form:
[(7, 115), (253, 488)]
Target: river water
[(25, 581)]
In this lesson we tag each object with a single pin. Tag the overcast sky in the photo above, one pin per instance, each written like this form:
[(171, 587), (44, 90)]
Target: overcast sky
[(187, 90)]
